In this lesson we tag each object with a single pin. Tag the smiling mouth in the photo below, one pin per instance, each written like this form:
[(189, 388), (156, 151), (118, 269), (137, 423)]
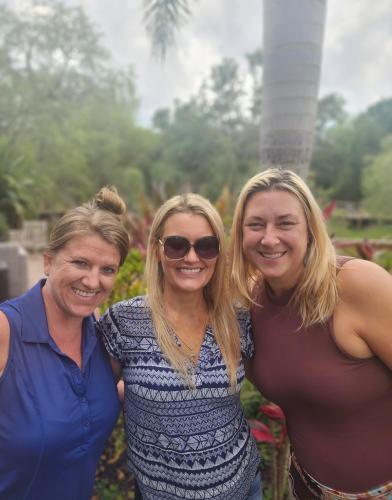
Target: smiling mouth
[(85, 293), (272, 255), (190, 270)]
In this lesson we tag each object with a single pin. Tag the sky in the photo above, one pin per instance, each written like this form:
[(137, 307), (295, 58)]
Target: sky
[(357, 55)]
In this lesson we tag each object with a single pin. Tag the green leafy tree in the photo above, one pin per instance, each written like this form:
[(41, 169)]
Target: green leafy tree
[(13, 198), (377, 186), (330, 112), (222, 95), (51, 58), (342, 149), (193, 155), (213, 139), (161, 119), (255, 65), (66, 111), (381, 113)]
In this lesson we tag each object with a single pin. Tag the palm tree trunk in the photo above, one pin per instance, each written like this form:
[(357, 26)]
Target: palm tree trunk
[(292, 50)]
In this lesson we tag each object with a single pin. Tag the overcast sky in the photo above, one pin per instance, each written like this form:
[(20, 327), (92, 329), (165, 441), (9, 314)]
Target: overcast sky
[(357, 57)]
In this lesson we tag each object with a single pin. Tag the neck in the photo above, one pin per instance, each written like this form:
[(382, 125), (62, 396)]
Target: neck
[(278, 291), (191, 305), (281, 287)]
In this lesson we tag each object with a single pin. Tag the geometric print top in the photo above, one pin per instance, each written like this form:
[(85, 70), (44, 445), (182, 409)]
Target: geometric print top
[(183, 443)]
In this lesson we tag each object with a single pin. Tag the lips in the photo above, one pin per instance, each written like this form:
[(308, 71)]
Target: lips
[(85, 293), (272, 255), (190, 270)]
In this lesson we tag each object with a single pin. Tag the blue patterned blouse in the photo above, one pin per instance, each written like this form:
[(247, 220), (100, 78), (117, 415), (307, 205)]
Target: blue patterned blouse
[(182, 443)]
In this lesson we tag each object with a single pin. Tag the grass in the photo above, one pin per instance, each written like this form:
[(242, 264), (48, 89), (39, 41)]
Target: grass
[(340, 229)]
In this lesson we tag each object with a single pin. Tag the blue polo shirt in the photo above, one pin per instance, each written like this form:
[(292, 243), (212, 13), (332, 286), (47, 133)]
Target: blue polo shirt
[(54, 418)]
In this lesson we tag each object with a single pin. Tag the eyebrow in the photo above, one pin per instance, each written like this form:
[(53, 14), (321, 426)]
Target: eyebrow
[(86, 259), (283, 216)]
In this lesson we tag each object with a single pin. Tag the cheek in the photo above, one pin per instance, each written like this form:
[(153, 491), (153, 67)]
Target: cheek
[(248, 241), (165, 266), (212, 266), (301, 241), (108, 283)]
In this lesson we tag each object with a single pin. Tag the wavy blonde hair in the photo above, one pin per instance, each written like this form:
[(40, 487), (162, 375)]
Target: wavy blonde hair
[(221, 313), (316, 294)]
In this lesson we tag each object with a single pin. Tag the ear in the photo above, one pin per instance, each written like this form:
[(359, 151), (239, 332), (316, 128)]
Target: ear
[(48, 258)]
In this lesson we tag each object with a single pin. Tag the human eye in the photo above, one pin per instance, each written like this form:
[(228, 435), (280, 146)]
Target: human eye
[(254, 225), (287, 223), (110, 270), (79, 263)]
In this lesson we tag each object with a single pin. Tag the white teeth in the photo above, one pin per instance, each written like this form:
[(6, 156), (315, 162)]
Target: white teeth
[(190, 270), (84, 293), (274, 255)]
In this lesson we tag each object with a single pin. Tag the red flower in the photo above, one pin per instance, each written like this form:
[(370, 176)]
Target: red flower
[(328, 210), (261, 432), (273, 411)]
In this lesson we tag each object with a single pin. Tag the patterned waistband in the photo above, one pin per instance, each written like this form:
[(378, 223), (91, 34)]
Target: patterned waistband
[(382, 492)]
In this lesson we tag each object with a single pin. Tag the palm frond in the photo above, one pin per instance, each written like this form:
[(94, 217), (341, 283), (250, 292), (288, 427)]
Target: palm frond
[(162, 18)]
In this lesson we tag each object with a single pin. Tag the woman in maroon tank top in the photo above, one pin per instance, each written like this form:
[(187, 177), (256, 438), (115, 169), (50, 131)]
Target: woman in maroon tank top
[(323, 339)]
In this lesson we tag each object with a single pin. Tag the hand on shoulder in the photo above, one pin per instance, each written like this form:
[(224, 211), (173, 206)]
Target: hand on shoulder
[(4, 341), (366, 289)]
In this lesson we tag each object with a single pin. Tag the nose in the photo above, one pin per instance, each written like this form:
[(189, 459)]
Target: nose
[(269, 237), (191, 256), (91, 279)]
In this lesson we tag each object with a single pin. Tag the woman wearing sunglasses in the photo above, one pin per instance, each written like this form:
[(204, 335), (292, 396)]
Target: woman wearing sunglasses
[(180, 349)]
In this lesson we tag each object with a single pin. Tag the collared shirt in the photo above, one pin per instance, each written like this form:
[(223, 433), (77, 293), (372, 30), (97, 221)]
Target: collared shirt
[(54, 417), (182, 442)]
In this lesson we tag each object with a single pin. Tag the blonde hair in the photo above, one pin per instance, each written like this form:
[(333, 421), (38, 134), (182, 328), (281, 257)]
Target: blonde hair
[(103, 215), (316, 294), (221, 313)]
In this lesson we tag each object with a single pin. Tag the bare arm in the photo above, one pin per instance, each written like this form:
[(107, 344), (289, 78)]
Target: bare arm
[(116, 367), (366, 291), (4, 341)]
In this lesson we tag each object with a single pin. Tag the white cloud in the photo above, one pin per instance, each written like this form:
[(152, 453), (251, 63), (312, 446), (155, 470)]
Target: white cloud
[(356, 61), (358, 51)]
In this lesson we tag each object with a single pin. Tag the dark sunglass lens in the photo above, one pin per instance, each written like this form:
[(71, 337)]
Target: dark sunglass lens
[(176, 247), (208, 247)]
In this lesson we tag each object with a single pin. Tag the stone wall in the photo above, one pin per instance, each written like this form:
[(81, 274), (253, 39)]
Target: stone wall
[(15, 258), (33, 236)]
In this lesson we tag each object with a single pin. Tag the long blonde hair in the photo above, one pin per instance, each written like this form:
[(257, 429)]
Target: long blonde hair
[(316, 293), (221, 313)]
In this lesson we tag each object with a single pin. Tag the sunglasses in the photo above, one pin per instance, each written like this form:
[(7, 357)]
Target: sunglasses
[(176, 247)]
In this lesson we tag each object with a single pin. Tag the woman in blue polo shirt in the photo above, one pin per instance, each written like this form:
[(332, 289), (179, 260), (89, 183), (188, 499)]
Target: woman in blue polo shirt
[(181, 351), (58, 398)]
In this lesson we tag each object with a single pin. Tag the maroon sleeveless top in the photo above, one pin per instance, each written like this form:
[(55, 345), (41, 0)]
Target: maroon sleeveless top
[(338, 408)]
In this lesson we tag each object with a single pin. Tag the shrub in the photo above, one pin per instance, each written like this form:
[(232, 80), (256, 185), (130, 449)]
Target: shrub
[(3, 228)]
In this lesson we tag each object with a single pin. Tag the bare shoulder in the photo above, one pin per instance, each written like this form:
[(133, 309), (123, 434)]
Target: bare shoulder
[(365, 298), (4, 341), (361, 281)]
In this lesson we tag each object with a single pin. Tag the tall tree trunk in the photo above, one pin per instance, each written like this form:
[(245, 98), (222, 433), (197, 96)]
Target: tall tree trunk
[(292, 49)]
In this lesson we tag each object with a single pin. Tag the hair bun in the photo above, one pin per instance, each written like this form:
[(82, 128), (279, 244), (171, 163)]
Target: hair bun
[(108, 198)]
